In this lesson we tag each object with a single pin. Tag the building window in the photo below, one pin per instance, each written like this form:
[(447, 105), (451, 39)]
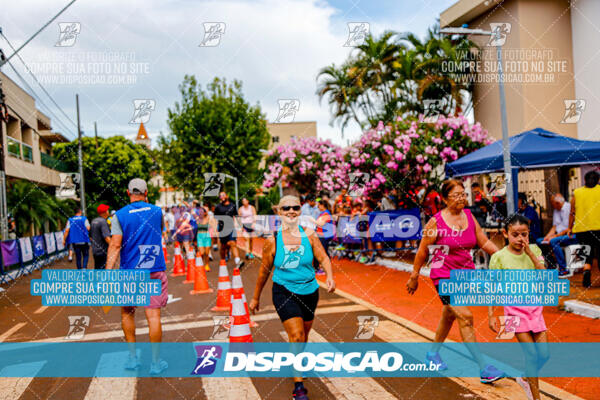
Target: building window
[(275, 139), (14, 147), (27, 152)]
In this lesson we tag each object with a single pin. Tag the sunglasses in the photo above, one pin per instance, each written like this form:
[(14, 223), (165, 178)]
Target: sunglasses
[(288, 208)]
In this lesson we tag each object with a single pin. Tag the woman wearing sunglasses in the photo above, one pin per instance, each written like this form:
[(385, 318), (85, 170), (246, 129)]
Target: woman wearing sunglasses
[(295, 290)]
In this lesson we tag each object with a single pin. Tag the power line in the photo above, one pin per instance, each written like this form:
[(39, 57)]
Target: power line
[(2, 62), (34, 93), (39, 83)]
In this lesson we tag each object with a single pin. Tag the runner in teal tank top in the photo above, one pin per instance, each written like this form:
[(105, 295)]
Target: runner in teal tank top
[(295, 289), (294, 268)]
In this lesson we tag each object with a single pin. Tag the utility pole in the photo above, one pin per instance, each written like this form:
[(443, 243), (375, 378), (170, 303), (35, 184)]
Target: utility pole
[(3, 123), (80, 156), (96, 133), (507, 164)]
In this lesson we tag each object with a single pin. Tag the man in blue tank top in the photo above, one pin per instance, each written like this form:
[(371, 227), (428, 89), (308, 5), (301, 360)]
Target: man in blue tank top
[(77, 234), (136, 237)]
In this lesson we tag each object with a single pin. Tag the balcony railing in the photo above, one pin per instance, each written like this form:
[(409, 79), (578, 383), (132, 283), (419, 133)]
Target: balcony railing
[(53, 163)]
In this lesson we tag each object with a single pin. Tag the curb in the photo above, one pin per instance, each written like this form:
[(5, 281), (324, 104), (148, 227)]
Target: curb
[(582, 308)]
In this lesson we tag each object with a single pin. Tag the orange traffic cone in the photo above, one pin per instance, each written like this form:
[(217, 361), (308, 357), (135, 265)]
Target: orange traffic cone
[(224, 289), (237, 288), (240, 321), (191, 267), (178, 267), (200, 281), (164, 246)]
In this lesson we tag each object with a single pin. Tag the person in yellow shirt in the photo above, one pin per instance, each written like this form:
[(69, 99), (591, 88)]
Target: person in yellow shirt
[(584, 221)]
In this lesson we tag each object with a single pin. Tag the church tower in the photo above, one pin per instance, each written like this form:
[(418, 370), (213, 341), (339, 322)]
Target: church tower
[(142, 136)]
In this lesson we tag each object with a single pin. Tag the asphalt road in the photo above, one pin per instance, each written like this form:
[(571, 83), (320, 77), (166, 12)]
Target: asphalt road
[(188, 318)]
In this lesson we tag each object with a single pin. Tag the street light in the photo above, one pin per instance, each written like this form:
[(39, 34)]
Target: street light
[(510, 199)]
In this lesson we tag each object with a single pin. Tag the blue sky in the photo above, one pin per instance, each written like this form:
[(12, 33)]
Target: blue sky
[(275, 48)]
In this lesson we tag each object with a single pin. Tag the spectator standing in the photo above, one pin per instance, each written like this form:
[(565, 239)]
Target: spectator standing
[(477, 192), (170, 224), (342, 198), (432, 202), (248, 219), (100, 236), (584, 220), (526, 210), (77, 234), (225, 212), (309, 212), (388, 202), (325, 229)]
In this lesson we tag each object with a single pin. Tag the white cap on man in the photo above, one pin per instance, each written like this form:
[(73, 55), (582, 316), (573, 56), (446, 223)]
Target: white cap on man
[(137, 186)]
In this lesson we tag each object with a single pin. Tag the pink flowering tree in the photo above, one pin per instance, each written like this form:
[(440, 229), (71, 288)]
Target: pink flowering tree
[(409, 152), (308, 165)]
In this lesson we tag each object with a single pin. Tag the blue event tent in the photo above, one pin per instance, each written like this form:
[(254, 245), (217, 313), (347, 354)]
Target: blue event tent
[(537, 148)]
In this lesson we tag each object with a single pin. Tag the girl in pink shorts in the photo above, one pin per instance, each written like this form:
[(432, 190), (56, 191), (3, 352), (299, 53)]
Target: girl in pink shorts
[(527, 322)]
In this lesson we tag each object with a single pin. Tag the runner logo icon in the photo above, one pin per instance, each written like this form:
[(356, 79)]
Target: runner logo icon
[(142, 108), (573, 111), (148, 254), (437, 255), (287, 110), (291, 258), (500, 31), (221, 324), (357, 33), (68, 33), (358, 181), (212, 34), (579, 253), (213, 182), (366, 326), (207, 359), (508, 326), (77, 325)]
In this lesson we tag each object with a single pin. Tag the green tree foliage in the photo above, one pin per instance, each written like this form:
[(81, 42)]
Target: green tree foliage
[(108, 169), (213, 130), (32, 205), (395, 73)]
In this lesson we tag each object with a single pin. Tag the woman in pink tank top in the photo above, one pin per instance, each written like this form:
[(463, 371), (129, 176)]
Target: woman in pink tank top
[(450, 235)]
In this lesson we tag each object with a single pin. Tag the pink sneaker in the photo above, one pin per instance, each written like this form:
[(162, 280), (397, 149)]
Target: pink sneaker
[(525, 385)]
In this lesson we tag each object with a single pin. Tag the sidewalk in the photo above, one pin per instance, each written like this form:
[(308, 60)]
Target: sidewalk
[(385, 287)]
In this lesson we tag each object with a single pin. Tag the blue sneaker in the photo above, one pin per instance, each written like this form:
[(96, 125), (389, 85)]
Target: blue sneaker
[(157, 368), (300, 394), (132, 363), (491, 374), (435, 358)]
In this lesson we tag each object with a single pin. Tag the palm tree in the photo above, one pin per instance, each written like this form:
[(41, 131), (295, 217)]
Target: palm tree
[(30, 206), (430, 78), (341, 93), (385, 76)]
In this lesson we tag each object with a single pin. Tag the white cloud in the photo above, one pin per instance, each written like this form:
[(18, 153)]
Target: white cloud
[(275, 48)]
